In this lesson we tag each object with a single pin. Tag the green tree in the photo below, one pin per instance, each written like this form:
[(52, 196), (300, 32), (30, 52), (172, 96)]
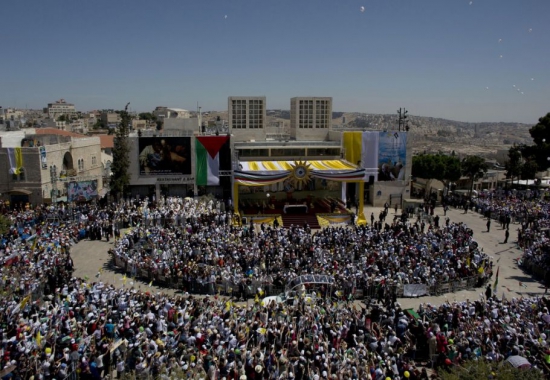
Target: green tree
[(5, 224), (513, 164), (541, 137), (147, 116), (474, 167), (120, 178), (529, 168), (452, 170), (99, 124), (444, 168), (481, 369)]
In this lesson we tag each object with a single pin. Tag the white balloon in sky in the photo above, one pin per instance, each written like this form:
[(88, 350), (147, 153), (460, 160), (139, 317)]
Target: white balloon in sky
[(362, 9), (500, 56), (522, 93), (225, 16), (513, 85), (486, 88), (530, 30), (532, 78), (471, 2)]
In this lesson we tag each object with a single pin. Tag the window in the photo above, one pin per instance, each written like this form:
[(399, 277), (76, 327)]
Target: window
[(94, 161), (313, 152), (22, 174), (296, 153), (254, 153)]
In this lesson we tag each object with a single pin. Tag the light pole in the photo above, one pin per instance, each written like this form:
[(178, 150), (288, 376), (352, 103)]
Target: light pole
[(53, 176), (402, 112)]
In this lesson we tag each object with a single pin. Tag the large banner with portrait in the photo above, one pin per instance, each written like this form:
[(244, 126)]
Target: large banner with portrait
[(82, 191), (392, 156), (164, 156)]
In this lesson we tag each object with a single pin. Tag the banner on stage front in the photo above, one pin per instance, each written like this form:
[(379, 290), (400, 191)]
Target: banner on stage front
[(415, 290)]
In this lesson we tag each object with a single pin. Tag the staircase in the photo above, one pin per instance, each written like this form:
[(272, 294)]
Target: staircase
[(299, 219)]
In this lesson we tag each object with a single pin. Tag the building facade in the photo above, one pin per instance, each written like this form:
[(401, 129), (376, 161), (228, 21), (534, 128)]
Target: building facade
[(247, 117), (60, 107), (46, 166), (110, 119), (310, 117)]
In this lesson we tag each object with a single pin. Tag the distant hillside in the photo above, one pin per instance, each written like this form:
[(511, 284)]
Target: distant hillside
[(428, 133)]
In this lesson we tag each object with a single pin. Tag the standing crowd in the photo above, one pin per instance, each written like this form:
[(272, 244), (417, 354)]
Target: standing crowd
[(56, 326)]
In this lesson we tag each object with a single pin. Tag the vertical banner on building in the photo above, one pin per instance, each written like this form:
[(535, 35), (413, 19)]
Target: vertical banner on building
[(361, 148), (369, 152), (43, 160), (15, 156), (392, 155), (207, 149)]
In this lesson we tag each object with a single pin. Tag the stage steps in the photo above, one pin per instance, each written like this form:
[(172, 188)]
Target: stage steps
[(299, 219)]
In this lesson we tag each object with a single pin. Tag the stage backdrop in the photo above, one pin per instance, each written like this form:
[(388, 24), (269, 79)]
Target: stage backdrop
[(164, 156), (381, 154), (82, 191), (392, 156)]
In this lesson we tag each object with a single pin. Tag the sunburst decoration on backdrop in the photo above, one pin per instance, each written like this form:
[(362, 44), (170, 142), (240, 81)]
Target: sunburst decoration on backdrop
[(301, 172)]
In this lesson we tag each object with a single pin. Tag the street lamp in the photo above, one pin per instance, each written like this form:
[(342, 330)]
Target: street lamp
[(53, 177)]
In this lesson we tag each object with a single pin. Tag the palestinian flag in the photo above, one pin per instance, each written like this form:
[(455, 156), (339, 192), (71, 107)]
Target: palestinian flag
[(207, 150)]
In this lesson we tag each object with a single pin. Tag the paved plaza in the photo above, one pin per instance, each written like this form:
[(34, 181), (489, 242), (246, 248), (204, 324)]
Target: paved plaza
[(91, 257)]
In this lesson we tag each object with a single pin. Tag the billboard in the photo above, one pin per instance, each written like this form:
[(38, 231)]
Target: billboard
[(392, 156), (82, 191), (43, 159), (164, 156)]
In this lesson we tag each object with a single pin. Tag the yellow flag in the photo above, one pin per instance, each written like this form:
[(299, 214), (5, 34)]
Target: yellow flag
[(38, 339), (151, 284), (124, 279), (25, 301), (468, 262), (256, 299), (228, 306), (18, 160)]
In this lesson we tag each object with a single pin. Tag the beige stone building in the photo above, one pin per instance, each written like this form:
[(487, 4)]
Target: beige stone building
[(75, 159), (310, 117), (247, 118), (110, 118), (60, 107)]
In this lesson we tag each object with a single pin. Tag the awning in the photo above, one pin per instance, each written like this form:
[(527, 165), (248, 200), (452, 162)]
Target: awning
[(281, 166), (261, 173), (19, 191)]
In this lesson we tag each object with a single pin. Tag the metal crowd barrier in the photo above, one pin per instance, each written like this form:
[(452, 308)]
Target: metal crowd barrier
[(228, 288), (194, 286)]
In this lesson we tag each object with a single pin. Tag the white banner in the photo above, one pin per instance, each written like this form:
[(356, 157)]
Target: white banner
[(415, 290)]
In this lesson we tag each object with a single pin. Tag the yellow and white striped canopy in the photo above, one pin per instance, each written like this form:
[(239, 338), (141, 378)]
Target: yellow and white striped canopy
[(270, 166)]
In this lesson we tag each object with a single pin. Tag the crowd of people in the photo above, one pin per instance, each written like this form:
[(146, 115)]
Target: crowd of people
[(57, 326), (203, 247)]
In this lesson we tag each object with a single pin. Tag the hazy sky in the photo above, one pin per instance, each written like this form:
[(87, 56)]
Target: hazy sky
[(439, 58)]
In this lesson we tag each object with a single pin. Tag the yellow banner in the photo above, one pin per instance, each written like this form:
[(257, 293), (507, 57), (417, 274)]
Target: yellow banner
[(353, 146), (18, 160)]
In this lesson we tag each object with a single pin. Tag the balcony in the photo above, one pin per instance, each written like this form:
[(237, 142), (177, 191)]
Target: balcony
[(67, 173)]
